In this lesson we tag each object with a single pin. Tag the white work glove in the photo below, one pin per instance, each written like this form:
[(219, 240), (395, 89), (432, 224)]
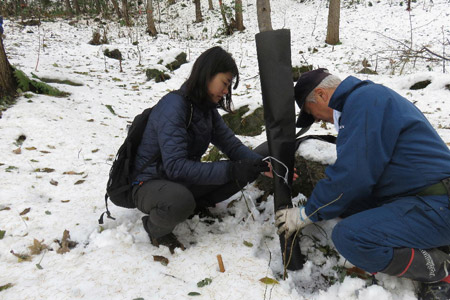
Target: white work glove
[(290, 220)]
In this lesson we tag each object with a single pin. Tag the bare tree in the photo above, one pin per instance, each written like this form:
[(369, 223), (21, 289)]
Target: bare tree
[(7, 82), (210, 3), (98, 6), (68, 8), (228, 29), (125, 12), (198, 12), (116, 8), (263, 12), (334, 12), (76, 5), (151, 29), (238, 14)]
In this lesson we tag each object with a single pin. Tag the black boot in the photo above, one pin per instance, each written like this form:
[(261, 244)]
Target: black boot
[(427, 266), (435, 291), (430, 265), (168, 240)]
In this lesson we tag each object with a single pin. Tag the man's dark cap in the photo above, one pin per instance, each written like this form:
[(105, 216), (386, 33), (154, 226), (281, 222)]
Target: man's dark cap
[(307, 82)]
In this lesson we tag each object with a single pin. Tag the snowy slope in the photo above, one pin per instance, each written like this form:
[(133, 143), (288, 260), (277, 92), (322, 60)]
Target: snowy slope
[(78, 136)]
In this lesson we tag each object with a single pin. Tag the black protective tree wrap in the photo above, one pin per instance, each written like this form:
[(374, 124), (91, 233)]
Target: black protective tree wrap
[(275, 69)]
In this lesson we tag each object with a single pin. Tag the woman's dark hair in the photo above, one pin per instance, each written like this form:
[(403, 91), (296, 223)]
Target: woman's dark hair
[(211, 62)]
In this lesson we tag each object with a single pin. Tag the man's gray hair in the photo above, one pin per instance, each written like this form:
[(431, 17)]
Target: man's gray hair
[(329, 82)]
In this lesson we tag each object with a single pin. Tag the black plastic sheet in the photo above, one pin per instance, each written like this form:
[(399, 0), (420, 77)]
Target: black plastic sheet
[(275, 70)]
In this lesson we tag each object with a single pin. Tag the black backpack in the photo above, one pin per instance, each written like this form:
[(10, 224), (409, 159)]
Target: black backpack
[(120, 181)]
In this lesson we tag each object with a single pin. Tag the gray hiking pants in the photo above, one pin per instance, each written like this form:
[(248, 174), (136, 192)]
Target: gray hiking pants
[(169, 203)]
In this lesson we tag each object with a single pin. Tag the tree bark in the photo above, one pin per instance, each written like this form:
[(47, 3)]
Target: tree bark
[(263, 12), (68, 8), (171, 2), (76, 5), (210, 3), (98, 6), (7, 81), (334, 12), (198, 12), (125, 12), (238, 14), (151, 29), (116, 8), (228, 29)]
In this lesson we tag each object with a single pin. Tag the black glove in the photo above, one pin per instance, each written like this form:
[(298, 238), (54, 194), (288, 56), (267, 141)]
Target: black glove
[(246, 171)]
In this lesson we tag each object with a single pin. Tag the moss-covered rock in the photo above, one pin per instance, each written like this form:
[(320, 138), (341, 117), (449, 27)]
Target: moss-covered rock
[(26, 84), (297, 71), (420, 85), (156, 74), (251, 125), (179, 60), (366, 70), (115, 54), (214, 154)]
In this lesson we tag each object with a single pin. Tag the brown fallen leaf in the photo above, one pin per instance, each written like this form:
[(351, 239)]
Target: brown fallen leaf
[(163, 260), (51, 147), (45, 170), (5, 208), (37, 247), (66, 244), (45, 151), (79, 182), (65, 201), (31, 148), (73, 173), (17, 151), (54, 182), (95, 150), (25, 211)]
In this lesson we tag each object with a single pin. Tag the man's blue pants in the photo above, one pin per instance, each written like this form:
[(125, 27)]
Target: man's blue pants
[(367, 238)]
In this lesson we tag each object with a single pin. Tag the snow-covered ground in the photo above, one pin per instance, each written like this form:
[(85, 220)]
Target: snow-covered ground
[(60, 172)]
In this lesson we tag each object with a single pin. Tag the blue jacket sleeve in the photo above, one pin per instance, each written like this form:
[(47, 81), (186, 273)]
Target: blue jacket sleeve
[(170, 125), (227, 142), (365, 144)]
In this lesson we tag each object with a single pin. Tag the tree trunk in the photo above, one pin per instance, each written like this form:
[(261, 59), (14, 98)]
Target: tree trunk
[(116, 8), (171, 2), (263, 11), (151, 29), (76, 5), (125, 12), (228, 29), (198, 12), (211, 7), (68, 8), (7, 82), (238, 14), (333, 22), (98, 6)]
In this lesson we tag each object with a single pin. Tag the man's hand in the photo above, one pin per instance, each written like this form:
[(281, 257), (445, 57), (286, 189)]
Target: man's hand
[(290, 220)]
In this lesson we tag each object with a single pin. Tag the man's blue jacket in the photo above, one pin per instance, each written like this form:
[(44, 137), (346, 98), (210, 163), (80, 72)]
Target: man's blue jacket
[(181, 149), (386, 148)]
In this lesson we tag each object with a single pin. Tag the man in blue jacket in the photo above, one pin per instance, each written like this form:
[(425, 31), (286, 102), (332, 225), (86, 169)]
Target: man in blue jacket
[(390, 181)]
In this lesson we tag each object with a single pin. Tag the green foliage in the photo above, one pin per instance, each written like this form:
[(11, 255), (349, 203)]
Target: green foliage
[(204, 282)]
